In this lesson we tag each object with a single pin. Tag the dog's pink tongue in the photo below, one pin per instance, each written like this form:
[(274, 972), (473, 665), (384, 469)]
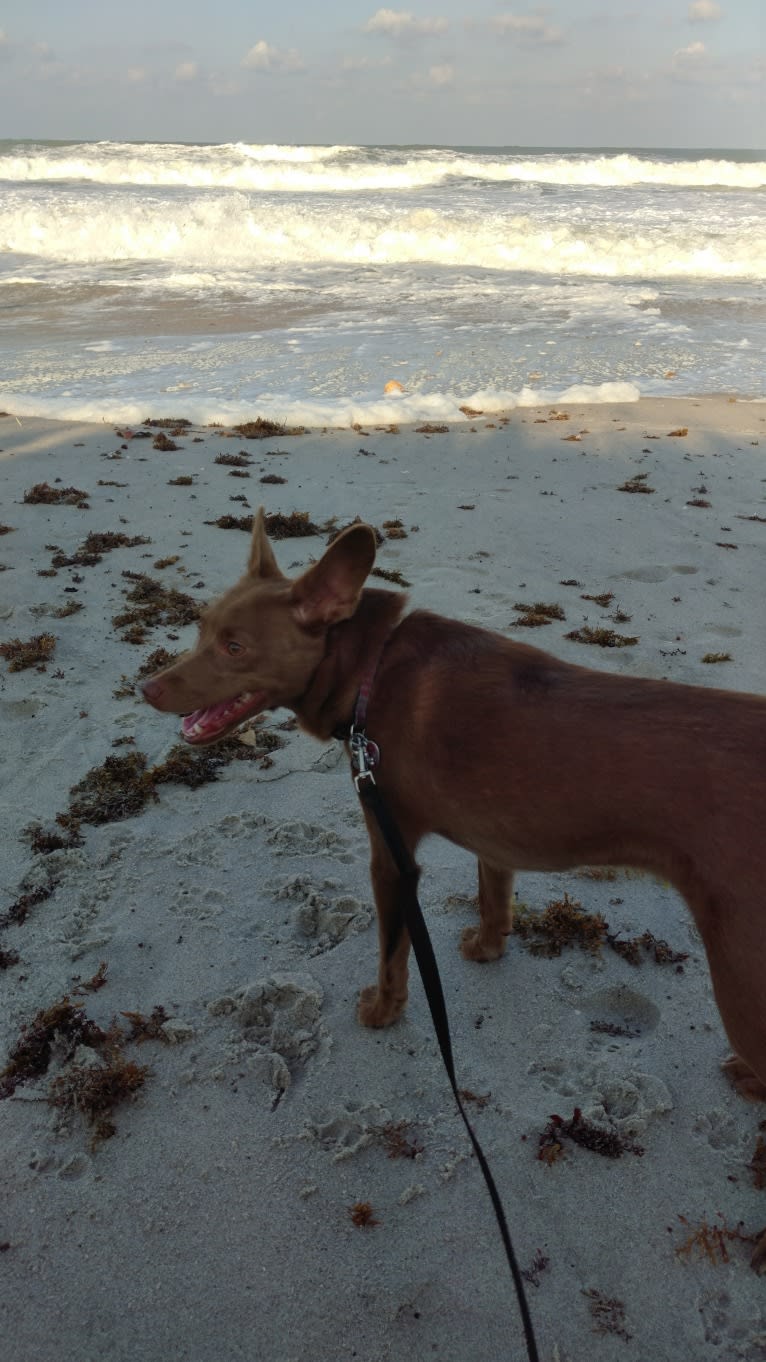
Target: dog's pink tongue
[(206, 723)]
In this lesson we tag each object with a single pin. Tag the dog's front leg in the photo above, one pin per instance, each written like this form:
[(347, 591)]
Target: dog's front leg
[(383, 1003), (487, 941)]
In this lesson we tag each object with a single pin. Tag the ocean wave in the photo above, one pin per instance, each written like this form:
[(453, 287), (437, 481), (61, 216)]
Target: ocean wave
[(343, 169), (221, 232)]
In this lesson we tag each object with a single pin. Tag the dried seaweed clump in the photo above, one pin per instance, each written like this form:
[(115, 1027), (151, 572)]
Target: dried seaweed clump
[(164, 443), (717, 657), (604, 1140), (42, 494), (19, 911), (394, 529), (563, 923), (638, 483), (96, 1089), (242, 460), (42, 841), (153, 605), (96, 1076), (363, 1215), (634, 949), (95, 545), (711, 1241), (124, 785), (397, 1141), (534, 616), (157, 661), (296, 525), (608, 1314), (602, 598), (194, 767), (602, 638), (261, 429), (120, 788), (391, 575), (64, 1021), (146, 1028), (33, 652)]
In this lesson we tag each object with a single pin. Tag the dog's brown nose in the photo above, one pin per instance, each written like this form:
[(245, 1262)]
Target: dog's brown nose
[(152, 690)]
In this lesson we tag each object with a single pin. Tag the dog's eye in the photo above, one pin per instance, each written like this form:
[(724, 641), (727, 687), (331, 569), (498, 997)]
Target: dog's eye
[(232, 647)]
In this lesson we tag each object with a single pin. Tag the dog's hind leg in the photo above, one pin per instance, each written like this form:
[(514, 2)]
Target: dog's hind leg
[(487, 941)]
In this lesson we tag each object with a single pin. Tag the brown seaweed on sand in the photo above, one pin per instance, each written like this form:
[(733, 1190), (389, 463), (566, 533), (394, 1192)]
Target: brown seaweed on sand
[(34, 652), (42, 494)]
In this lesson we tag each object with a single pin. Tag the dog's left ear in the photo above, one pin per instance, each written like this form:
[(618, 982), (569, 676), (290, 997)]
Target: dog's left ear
[(330, 590), (261, 562)]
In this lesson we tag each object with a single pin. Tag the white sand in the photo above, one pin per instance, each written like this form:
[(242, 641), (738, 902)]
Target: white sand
[(215, 1224)]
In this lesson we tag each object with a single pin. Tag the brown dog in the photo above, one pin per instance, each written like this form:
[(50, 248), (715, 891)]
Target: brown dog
[(551, 766)]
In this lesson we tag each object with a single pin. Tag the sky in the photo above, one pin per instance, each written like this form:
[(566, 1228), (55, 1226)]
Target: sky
[(630, 73)]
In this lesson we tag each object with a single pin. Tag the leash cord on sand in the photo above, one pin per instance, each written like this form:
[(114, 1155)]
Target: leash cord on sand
[(429, 973)]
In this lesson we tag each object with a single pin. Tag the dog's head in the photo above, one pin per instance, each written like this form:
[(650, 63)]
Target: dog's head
[(260, 644)]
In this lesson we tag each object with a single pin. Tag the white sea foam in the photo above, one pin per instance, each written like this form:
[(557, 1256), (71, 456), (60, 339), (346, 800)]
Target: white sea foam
[(348, 169), (232, 231), (339, 414)]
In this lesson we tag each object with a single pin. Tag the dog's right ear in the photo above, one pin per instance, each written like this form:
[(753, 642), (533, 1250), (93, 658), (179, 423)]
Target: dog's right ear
[(330, 590), (261, 562)]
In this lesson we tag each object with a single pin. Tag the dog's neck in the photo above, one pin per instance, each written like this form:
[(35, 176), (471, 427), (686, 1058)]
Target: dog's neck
[(352, 649)]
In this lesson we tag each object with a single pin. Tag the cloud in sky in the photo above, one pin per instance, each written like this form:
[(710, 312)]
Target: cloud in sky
[(688, 55), (703, 11), (540, 72), (442, 75), (402, 24), (263, 57)]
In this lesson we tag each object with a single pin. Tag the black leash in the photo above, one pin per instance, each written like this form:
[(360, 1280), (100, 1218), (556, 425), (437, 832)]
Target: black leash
[(364, 755)]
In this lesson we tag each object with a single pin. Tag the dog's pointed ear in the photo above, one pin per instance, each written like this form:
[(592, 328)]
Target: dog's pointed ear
[(330, 591), (261, 562)]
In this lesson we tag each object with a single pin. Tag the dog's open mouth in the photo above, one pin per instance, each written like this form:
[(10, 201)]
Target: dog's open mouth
[(206, 725)]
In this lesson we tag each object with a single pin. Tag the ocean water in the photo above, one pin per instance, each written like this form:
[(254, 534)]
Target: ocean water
[(224, 282)]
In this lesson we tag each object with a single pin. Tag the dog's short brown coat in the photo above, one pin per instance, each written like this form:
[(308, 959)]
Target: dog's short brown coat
[(530, 762)]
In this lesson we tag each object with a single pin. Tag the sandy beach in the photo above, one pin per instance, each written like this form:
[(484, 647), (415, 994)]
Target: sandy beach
[(213, 1214)]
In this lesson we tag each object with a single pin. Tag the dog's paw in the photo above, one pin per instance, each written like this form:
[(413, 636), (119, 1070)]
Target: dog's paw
[(748, 1085), (474, 947), (375, 1009)]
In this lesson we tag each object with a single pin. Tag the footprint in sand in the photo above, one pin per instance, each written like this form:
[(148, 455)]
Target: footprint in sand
[(619, 1011), (742, 1338), (198, 905), (280, 1025), (325, 918), (307, 839), (626, 1099), (348, 1130)]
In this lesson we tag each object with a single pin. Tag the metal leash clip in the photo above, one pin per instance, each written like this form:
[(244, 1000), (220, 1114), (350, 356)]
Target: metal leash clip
[(364, 755)]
